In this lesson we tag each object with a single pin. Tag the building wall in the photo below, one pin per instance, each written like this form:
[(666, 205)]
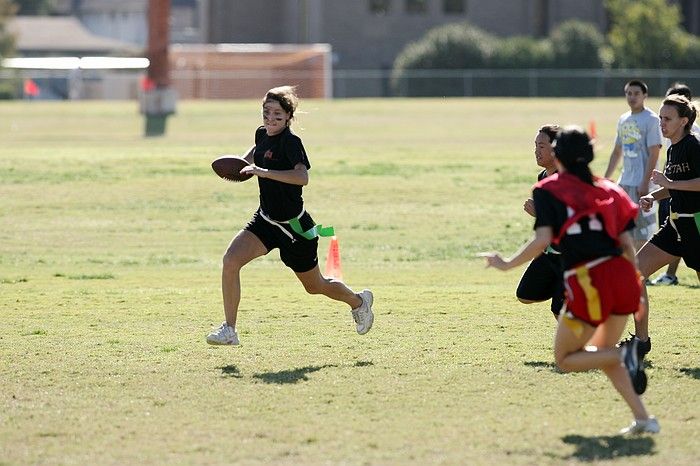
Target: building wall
[(363, 39)]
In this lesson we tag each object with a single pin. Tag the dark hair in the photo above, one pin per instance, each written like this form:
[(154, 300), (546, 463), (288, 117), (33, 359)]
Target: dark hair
[(286, 96), (550, 130), (639, 83), (574, 149), (684, 107), (680, 89)]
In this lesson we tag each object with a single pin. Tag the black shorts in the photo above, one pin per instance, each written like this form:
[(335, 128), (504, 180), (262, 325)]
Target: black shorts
[(664, 210), (688, 247), (297, 253), (542, 280)]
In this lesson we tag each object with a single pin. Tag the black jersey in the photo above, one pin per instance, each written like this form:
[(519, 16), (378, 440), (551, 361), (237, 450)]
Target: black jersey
[(584, 241), (283, 151), (543, 174), (683, 163), (553, 248)]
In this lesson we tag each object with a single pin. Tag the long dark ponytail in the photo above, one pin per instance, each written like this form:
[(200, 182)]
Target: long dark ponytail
[(574, 150)]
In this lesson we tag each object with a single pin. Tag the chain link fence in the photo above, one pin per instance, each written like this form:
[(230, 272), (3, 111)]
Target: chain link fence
[(204, 84)]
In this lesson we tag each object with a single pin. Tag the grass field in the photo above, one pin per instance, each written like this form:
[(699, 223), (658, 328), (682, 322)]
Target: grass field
[(110, 249)]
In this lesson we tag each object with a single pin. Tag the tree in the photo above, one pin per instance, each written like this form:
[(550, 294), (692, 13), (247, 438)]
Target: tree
[(453, 46), (576, 44), (645, 33), (521, 52), (33, 7), (450, 47), (7, 41)]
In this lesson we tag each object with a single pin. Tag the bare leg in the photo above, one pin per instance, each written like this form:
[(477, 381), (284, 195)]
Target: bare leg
[(672, 269), (315, 283), (243, 248), (649, 259), (572, 354)]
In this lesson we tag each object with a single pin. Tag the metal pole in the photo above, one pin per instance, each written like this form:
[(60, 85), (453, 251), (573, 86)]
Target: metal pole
[(158, 99)]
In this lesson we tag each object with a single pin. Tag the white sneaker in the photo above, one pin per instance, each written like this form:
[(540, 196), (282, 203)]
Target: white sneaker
[(224, 335), (665, 279), (649, 426), (363, 316)]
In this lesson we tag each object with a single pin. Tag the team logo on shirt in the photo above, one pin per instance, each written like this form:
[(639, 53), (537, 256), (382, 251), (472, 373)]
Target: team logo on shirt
[(268, 155), (672, 169)]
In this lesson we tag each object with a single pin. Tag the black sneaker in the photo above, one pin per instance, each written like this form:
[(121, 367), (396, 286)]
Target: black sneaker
[(643, 347), (634, 366)]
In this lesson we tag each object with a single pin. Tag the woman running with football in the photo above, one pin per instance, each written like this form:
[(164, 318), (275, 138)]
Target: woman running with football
[(590, 218), (280, 163)]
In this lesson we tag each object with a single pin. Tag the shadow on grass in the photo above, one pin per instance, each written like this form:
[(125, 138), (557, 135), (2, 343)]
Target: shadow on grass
[(231, 371), (291, 375), (693, 372), (544, 365), (608, 447), (299, 374)]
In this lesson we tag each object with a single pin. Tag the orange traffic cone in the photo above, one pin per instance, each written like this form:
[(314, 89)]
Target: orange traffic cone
[(591, 130), (333, 260)]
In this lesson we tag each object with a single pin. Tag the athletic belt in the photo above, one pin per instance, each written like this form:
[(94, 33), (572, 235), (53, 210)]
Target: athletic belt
[(316, 230), (675, 216), (551, 250), (588, 265)]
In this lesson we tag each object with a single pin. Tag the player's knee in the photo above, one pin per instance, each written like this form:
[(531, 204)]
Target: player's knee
[(231, 263), (561, 361)]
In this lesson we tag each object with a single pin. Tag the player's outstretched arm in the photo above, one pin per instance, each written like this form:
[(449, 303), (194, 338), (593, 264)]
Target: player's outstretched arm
[(532, 249)]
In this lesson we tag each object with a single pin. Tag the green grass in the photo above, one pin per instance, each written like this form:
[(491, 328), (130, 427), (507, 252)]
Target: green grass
[(110, 252)]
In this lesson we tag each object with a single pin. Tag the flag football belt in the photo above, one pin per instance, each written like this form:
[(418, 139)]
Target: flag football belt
[(675, 216), (587, 265), (313, 232), (551, 250)]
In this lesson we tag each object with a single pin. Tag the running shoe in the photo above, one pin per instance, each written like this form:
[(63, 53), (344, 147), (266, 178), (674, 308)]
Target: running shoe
[(363, 316), (224, 335), (665, 279), (638, 427)]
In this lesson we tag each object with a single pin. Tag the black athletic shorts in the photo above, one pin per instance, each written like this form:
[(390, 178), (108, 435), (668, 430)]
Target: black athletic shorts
[(297, 253), (688, 247), (664, 210), (542, 280)]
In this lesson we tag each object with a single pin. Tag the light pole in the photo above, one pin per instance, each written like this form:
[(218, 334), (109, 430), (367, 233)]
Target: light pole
[(158, 101)]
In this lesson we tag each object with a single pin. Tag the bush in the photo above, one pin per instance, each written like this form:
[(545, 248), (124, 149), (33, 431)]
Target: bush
[(453, 46), (576, 44), (521, 52)]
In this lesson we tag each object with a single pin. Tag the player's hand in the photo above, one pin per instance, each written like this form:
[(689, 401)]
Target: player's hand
[(643, 189), (529, 207), (493, 259), (646, 202), (253, 170), (659, 178)]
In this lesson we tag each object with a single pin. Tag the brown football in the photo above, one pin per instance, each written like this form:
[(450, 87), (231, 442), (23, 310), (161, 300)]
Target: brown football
[(229, 167)]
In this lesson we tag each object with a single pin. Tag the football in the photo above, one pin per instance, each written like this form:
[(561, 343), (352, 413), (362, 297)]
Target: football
[(229, 167)]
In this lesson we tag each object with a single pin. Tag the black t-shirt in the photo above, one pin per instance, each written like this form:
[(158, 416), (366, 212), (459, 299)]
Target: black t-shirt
[(283, 151), (584, 241), (683, 163), (543, 174)]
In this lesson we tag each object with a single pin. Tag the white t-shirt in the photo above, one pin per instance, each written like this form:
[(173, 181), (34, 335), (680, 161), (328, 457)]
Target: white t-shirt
[(636, 132)]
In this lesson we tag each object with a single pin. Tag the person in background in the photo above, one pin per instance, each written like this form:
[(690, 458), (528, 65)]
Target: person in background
[(680, 180), (637, 144), (669, 277), (590, 218), (542, 280), (279, 161)]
